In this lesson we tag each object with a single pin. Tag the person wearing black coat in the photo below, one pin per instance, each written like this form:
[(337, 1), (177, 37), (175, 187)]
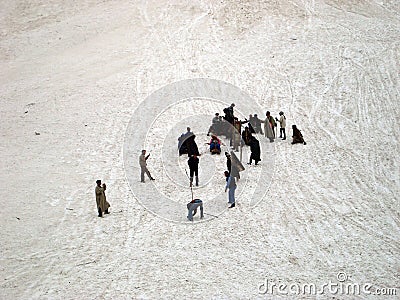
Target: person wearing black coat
[(182, 145), (229, 113), (228, 162), (251, 124), (191, 145), (251, 128), (255, 151), (193, 163), (246, 135), (297, 136)]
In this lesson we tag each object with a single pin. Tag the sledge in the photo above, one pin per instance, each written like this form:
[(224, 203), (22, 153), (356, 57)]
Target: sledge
[(215, 151)]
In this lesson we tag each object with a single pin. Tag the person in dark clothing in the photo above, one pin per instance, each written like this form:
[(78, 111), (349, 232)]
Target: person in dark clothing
[(229, 113), (297, 136), (251, 128), (255, 151), (192, 148), (228, 162), (193, 163), (182, 141), (246, 136), (251, 124), (182, 147)]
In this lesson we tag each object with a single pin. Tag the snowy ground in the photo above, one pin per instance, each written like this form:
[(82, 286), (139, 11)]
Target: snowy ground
[(73, 73)]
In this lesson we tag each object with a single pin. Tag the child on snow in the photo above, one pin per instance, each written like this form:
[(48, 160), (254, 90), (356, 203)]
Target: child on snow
[(215, 145)]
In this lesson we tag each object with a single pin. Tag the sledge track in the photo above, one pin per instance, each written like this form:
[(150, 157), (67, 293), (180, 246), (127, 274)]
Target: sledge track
[(365, 115)]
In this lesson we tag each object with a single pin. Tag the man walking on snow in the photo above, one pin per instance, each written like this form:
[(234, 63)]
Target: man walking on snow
[(143, 166)]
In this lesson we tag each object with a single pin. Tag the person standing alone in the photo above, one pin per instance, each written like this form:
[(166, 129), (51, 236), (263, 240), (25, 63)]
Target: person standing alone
[(102, 204), (143, 166)]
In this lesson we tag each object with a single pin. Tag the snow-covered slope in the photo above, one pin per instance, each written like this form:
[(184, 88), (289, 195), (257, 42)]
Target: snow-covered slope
[(73, 75)]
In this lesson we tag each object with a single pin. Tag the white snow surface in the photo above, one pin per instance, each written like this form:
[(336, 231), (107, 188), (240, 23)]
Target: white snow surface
[(72, 75)]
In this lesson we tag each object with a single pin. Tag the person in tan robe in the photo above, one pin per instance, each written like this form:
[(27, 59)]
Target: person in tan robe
[(102, 204), (269, 126)]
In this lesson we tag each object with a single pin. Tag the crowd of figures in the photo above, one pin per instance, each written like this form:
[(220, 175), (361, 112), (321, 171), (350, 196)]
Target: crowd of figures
[(229, 127)]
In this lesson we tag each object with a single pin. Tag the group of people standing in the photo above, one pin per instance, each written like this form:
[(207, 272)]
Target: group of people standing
[(230, 127)]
